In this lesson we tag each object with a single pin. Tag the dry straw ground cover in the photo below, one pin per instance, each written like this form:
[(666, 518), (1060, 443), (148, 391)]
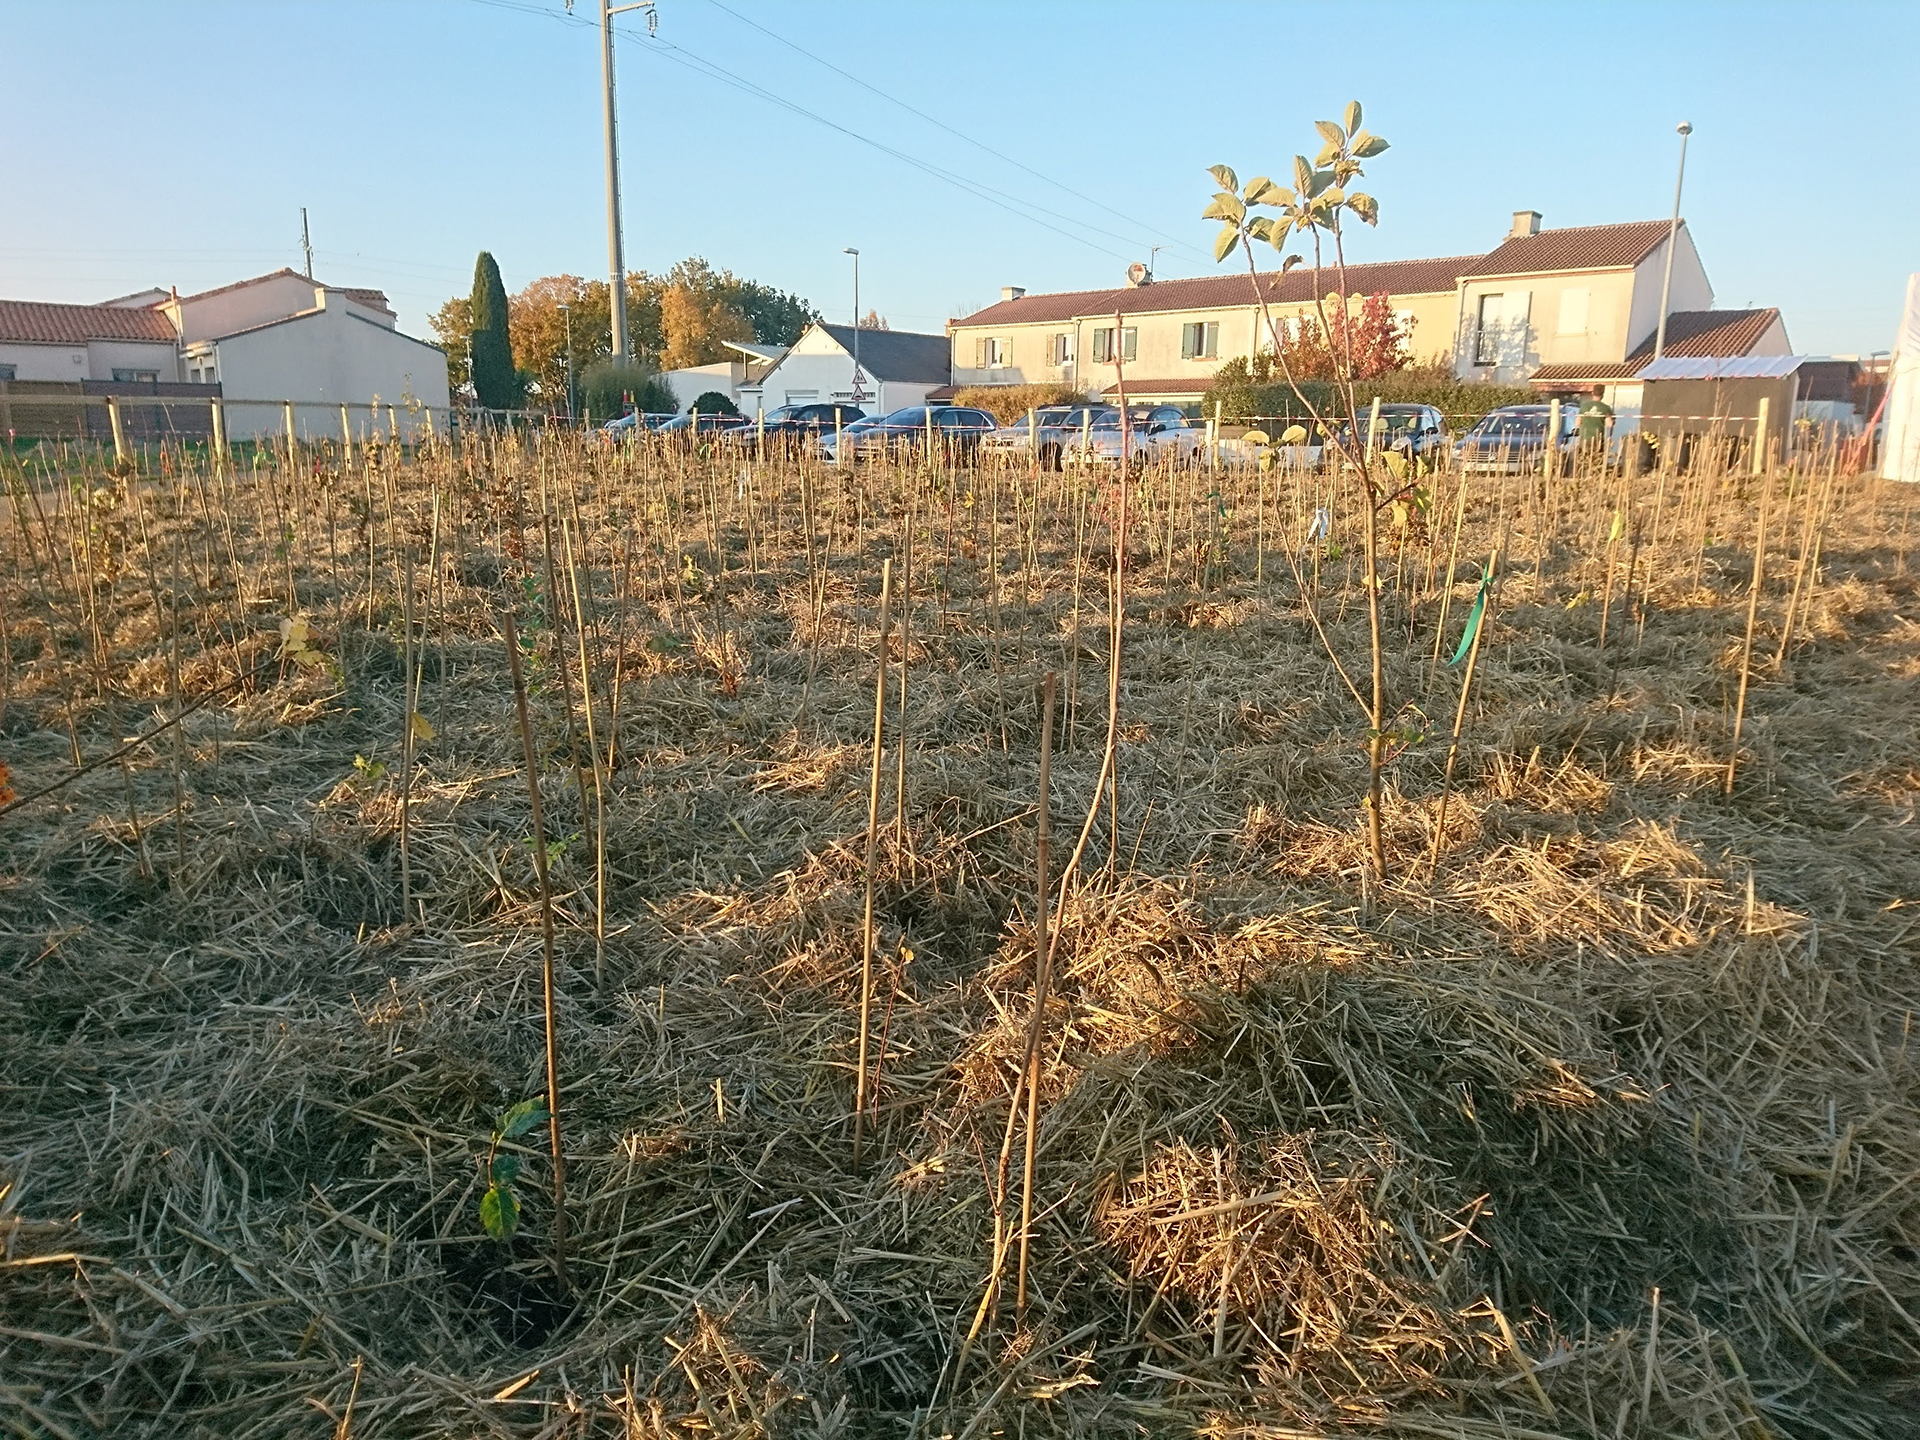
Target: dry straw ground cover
[(1597, 1118)]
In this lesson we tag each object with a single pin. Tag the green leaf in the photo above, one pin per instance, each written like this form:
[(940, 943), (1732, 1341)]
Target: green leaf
[(1262, 191), (1328, 154), (1261, 228), (1365, 206), (1368, 146), (1353, 116), (1331, 133), (1322, 180), (1225, 206), (499, 1212), (1224, 242), (1288, 263), (522, 1118), (1302, 176), (506, 1169), (1224, 177)]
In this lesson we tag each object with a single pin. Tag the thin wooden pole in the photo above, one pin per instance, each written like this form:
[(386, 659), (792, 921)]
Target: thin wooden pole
[(1753, 610), (873, 835), (1042, 979)]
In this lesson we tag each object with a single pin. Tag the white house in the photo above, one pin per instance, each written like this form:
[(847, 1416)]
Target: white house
[(897, 368), (286, 336), (72, 343), (738, 379)]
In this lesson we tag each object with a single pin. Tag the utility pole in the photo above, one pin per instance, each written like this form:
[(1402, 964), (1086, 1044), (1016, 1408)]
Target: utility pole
[(1673, 235), (617, 296), (849, 250), (306, 241)]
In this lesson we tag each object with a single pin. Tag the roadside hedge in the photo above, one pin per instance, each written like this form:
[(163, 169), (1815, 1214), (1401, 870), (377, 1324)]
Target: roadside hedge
[(1462, 402), (1007, 403)]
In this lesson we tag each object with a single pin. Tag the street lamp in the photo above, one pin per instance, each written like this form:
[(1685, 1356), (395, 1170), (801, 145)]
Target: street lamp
[(567, 312), (1673, 233), (849, 250)]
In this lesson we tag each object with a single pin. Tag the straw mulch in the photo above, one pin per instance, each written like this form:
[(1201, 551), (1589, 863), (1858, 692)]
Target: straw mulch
[(1609, 1128)]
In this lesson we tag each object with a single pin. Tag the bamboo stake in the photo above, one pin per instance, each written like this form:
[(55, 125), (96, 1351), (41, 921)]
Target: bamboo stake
[(1042, 980), (1753, 610), (546, 942), (599, 782), (906, 664), (1459, 720), (873, 834)]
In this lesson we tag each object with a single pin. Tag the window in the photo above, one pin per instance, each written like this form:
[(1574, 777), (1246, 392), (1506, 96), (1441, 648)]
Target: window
[(1103, 344), (1486, 335), (141, 376), (989, 354), (8, 372), (1061, 349), (1200, 340), (1573, 312)]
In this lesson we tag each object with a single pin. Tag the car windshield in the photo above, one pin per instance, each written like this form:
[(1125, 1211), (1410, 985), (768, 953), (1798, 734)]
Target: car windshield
[(912, 415), (1511, 425), (785, 412)]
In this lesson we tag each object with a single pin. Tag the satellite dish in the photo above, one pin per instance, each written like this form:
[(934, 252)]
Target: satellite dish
[(1138, 274)]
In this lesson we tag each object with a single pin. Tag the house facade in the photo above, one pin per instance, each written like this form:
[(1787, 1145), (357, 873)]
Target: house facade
[(897, 368), (262, 342), (1576, 296)]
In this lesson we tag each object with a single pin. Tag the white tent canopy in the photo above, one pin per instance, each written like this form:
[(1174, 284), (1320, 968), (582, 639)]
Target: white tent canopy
[(1900, 454)]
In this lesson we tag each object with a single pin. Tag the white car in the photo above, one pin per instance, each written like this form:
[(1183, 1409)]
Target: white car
[(1173, 439)]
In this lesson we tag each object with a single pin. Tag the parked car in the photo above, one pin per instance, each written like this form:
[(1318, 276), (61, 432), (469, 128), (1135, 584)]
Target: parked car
[(1416, 430), (1055, 427), (633, 423), (692, 429), (1513, 439), (827, 443), (956, 429), (797, 424), (1174, 439)]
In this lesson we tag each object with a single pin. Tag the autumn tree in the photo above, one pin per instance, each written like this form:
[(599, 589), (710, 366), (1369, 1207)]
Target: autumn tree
[(1371, 339), (698, 323)]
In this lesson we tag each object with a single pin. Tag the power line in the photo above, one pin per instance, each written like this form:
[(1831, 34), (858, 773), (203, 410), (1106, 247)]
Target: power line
[(958, 134), (699, 65)]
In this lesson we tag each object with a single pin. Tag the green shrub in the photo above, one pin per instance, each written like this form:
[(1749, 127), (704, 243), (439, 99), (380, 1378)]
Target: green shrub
[(1242, 398), (713, 403), (1008, 403), (604, 386)]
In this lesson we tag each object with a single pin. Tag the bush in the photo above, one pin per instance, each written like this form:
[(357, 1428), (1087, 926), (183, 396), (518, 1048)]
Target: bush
[(1007, 403), (713, 403), (1463, 402), (605, 385)]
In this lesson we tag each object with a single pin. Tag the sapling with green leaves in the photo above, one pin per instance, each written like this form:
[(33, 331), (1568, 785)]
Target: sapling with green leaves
[(1315, 206), (499, 1205)]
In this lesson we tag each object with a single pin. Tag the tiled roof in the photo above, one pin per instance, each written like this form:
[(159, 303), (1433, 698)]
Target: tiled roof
[(1190, 385), (1216, 292), (1691, 334), (901, 355), (1573, 247), (32, 322)]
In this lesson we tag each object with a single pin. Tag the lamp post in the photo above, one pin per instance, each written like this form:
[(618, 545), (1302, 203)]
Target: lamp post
[(567, 312), (1673, 236), (849, 250)]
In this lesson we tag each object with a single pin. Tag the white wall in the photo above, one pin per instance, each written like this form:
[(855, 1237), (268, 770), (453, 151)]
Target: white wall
[(1691, 291), (106, 356), (690, 384), (45, 362), (321, 360)]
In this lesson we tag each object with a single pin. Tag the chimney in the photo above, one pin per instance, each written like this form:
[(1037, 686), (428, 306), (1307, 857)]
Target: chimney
[(1525, 222), (1012, 292)]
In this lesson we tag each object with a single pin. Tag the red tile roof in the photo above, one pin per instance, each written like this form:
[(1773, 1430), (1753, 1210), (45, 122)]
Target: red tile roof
[(32, 322), (1191, 385), (1573, 247), (1214, 292), (1691, 334)]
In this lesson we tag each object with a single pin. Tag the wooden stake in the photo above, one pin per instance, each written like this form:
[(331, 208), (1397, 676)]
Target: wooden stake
[(1753, 610), (873, 834), (546, 940), (1042, 981)]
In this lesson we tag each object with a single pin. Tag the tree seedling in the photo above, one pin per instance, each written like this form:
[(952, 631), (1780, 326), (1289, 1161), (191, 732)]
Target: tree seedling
[(499, 1206)]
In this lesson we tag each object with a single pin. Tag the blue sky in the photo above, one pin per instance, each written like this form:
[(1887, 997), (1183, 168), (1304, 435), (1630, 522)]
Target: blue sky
[(175, 143)]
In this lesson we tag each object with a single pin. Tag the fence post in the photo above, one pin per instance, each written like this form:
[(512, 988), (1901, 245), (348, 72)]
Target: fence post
[(1373, 424), (346, 431), (293, 443), (393, 425), (1550, 465), (217, 410), (1761, 440), (119, 431)]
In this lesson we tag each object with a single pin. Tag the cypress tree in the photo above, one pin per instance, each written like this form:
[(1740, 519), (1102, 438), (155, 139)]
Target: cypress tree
[(496, 384)]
